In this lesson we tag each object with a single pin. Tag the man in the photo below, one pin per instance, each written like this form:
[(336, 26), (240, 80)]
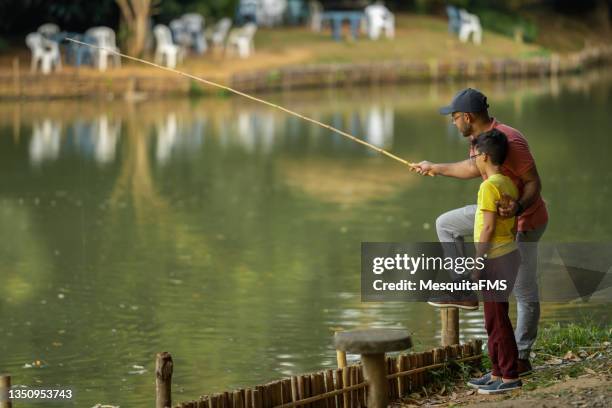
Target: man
[(469, 113)]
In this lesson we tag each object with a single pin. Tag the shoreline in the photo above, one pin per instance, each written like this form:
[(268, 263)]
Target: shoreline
[(16, 84)]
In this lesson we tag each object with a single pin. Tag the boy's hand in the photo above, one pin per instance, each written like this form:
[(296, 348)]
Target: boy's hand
[(507, 206)]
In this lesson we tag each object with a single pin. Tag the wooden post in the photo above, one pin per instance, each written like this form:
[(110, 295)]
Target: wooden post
[(375, 373), (341, 358), (339, 384), (163, 380), (5, 386), (16, 78), (402, 363), (450, 325)]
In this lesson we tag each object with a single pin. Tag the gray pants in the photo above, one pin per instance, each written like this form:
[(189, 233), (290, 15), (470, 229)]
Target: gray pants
[(454, 225)]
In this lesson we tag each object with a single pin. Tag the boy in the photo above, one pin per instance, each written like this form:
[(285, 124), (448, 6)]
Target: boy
[(494, 240)]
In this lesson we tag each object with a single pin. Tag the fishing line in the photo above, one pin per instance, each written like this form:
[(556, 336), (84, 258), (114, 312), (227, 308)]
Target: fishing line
[(227, 88)]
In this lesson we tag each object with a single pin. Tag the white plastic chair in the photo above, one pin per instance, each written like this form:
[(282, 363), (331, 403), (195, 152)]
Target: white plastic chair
[(179, 33), (379, 19), (247, 11), (48, 29), (165, 49), (220, 31), (105, 38), (315, 15), (44, 52), (241, 40), (270, 12), (470, 25), (193, 26)]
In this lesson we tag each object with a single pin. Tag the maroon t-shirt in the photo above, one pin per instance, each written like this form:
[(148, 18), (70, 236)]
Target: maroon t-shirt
[(518, 162)]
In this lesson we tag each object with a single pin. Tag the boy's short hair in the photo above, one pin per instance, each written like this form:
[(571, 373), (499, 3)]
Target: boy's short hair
[(494, 143)]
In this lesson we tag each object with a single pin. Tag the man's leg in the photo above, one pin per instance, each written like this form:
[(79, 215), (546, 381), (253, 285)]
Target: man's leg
[(452, 226), (526, 292)]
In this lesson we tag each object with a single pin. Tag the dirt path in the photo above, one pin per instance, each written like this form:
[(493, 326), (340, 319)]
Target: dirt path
[(572, 381), (587, 391)]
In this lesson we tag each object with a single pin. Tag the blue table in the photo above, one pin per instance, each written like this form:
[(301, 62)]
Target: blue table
[(336, 18), (76, 54)]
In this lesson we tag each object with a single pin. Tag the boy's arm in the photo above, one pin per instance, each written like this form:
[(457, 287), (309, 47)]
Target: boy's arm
[(486, 235)]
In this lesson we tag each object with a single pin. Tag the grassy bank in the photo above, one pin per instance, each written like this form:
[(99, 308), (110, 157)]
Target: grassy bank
[(420, 40), (565, 358)]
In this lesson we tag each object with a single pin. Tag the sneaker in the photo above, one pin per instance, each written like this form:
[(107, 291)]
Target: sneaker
[(524, 368), (499, 387), (481, 382), (461, 304)]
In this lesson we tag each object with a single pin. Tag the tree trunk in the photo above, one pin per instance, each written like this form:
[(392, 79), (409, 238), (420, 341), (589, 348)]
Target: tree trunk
[(602, 15), (138, 35), (135, 15)]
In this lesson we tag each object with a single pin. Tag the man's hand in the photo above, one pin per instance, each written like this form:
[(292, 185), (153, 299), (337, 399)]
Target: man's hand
[(507, 206), (424, 168)]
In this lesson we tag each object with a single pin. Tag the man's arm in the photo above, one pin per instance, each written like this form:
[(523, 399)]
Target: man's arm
[(462, 170), (532, 185)]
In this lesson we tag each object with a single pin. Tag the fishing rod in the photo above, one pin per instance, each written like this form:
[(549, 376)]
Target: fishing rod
[(237, 92)]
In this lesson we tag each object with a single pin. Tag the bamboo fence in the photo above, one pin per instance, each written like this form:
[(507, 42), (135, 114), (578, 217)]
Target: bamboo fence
[(343, 387)]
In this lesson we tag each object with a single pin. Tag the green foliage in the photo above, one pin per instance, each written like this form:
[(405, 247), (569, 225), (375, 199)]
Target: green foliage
[(558, 339), (215, 9), (27, 15), (508, 24), (3, 44), (501, 16), (273, 76), (195, 90)]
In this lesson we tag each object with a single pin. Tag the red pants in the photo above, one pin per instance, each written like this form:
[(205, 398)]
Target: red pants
[(502, 345)]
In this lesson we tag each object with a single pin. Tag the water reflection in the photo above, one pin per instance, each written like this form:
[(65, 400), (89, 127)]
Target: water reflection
[(45, 141), (229, 233), (252, 129), (167, 136), (104, 138)]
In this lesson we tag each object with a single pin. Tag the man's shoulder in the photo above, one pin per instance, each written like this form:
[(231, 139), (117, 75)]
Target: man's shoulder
[(509, 131)]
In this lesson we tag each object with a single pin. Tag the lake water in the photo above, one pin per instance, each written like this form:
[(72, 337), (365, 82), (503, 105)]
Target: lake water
[(229, 234)]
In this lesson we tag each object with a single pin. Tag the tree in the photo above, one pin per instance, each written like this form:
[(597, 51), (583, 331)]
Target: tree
[(135, 15)]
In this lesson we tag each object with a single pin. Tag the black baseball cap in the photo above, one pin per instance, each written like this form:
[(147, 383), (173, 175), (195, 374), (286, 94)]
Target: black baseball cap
[(469, 100)]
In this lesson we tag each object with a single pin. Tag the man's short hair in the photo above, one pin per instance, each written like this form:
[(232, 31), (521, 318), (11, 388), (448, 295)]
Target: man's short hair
[(494, 143)]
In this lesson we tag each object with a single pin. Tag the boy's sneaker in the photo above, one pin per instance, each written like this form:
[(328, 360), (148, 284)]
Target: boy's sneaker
[(482, 381), (524, 368), (499, 387)]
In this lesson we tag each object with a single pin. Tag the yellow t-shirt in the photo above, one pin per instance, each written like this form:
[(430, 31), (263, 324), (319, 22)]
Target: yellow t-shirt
[(490, 191)]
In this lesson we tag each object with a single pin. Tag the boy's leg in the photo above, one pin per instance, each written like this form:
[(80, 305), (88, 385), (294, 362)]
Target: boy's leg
[(502, 345), (503, 335), (489, 314), (526, 292)]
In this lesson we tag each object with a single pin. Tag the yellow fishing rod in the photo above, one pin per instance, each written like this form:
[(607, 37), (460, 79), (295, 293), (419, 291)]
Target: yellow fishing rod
[(251, 97)]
